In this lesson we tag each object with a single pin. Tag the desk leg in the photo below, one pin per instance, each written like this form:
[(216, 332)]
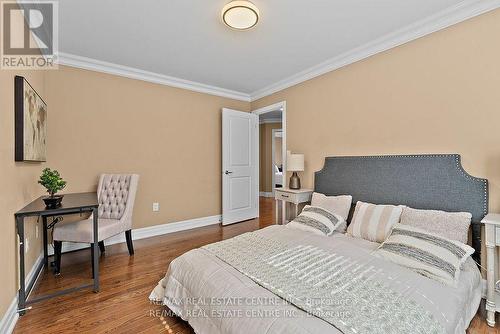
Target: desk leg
[(96, 252), (45, 241), (21, 305)]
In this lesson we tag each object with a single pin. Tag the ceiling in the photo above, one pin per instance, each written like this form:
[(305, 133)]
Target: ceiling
[(186, 39)]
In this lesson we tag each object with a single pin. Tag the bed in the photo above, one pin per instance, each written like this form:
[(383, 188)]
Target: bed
[(217, 289)]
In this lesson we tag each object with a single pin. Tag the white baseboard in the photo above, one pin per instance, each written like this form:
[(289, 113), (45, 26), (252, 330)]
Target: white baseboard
[(11, 316), (266, 194), (32, 274), (9, 319), (147, 232)]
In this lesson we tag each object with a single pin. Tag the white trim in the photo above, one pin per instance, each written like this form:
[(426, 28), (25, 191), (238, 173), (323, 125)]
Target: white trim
[(460, 12), (31, 275), (147, 232), (455, 14), (266, 194), (272, 107), (135, 73), (270, 121), (9, 319)]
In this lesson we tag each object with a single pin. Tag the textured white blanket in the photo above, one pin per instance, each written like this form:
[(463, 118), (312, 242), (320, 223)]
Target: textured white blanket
[(216, 298), (346, 293)]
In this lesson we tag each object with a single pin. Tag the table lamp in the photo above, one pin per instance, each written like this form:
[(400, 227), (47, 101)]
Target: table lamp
[(295, 163)]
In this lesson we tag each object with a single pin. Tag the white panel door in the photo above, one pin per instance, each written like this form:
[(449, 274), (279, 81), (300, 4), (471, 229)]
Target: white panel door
[(240, 166)]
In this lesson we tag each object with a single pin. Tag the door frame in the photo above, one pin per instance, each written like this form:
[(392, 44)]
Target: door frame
[(276, 106)]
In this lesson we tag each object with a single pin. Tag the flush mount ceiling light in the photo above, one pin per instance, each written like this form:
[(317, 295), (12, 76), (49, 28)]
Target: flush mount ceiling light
[(240, 15)]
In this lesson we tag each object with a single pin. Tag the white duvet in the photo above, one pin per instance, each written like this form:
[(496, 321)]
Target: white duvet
[(216, 298)]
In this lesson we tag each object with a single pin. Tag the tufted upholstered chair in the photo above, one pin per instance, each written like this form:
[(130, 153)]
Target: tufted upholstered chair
[(116, 196)]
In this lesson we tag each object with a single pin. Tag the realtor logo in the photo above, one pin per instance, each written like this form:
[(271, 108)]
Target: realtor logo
[(29, 34)]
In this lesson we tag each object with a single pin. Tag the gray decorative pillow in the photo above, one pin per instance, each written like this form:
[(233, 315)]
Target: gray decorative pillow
[(317, 220), (426, 253), (451, 225), (340, 205)]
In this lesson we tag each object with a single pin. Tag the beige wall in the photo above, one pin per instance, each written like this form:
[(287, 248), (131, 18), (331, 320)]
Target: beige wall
[(170, 137), (103, 123), (18, 183), (438, 94), (266, 159)]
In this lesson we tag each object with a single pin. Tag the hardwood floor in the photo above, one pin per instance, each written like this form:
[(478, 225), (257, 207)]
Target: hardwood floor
[(122, 305)]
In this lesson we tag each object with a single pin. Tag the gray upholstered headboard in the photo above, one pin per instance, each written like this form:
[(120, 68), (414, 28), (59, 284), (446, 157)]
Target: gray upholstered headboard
[(420, 181)]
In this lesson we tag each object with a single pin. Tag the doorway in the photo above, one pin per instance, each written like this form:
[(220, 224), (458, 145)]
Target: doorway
[(245, 175), (272, 148)]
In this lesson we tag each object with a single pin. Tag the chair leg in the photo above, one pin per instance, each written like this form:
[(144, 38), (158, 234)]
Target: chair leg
[(101, 246), (92, 258), (130, 245), (57, 256)]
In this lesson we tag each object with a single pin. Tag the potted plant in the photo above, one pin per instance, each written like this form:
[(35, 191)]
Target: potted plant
[(53, 182)]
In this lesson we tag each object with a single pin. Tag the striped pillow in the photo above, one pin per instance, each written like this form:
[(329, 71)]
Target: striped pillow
[(426, 253), (317, 220), (340, 205), (373, 222), (451, 225)]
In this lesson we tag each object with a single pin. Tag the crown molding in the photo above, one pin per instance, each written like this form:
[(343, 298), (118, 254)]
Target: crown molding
[(455, 14), (134, 73)]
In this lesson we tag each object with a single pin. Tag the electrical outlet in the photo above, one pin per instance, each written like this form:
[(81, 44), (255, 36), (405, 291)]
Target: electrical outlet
[(26, 245), (156, 207), (36, 231)]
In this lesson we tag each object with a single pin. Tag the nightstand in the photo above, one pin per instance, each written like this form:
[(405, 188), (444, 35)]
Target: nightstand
[(293, 196), (492, 235)]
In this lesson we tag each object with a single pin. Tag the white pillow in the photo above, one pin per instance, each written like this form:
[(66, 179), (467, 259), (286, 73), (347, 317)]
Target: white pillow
[(373, 222), (451, 225), (317, 220), (427, 253), (340, 205)]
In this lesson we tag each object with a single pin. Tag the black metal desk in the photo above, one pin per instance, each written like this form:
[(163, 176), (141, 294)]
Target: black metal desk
[(71, 204)]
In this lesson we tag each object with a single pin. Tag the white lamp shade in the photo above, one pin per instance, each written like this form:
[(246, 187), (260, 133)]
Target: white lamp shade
[(295, 163)]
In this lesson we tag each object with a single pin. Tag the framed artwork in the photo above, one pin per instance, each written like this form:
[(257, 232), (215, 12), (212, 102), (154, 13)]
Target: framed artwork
[(30, 123)]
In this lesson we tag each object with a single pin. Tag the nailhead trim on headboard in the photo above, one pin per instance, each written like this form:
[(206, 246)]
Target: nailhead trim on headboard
[(398, 182), (458, 165)]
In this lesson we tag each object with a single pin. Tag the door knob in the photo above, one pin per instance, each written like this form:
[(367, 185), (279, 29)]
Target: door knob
[(228, 172)]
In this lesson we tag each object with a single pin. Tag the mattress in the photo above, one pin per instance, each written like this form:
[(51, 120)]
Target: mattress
[(216, 298)]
